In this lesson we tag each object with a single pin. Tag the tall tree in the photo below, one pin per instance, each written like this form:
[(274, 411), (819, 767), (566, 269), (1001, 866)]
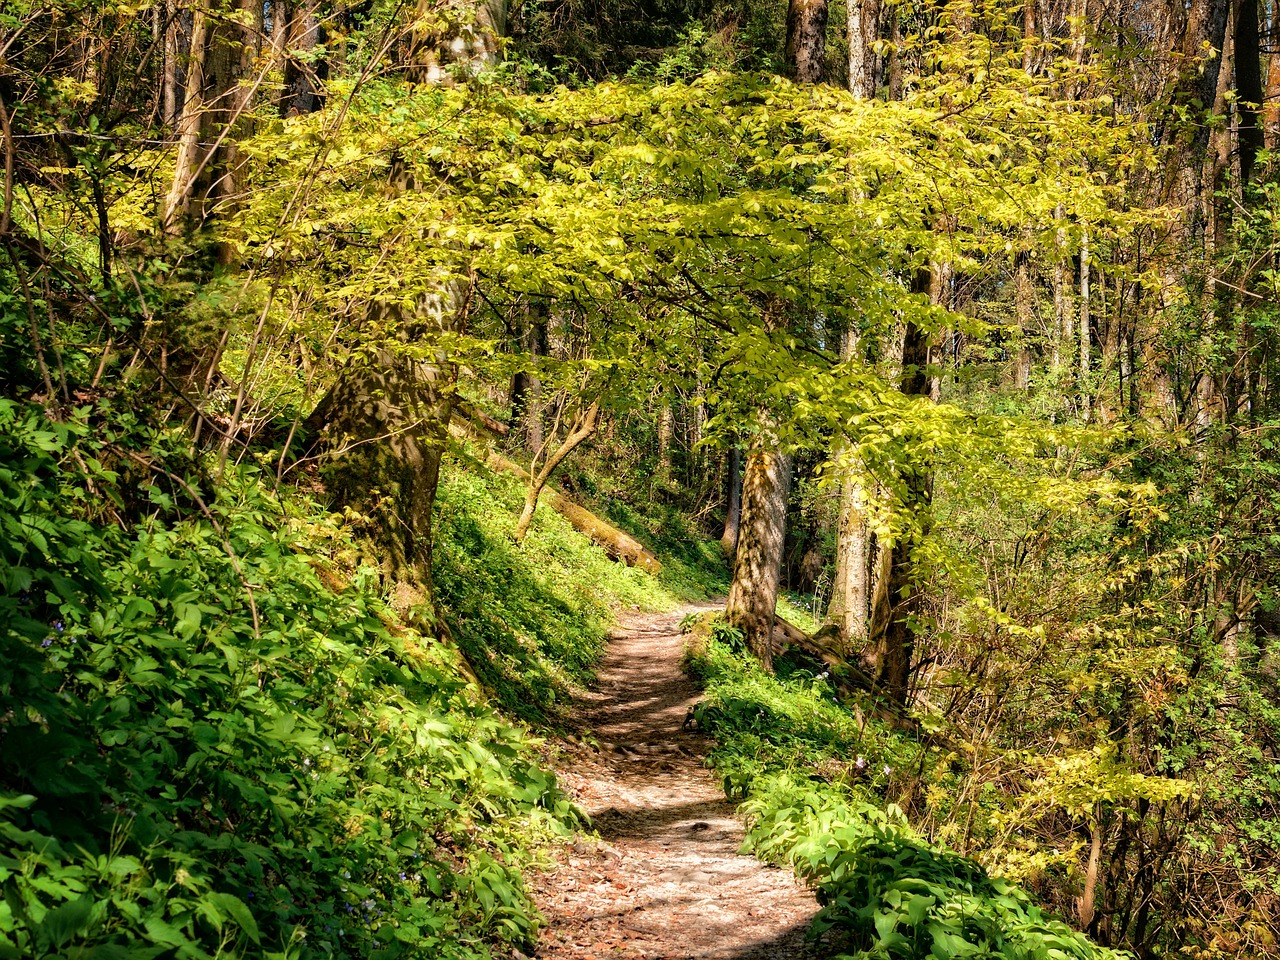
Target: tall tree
[(806, 40), (864, 61)]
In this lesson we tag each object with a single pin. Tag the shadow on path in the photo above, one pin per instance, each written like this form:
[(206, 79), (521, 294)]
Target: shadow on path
[(666, 882)]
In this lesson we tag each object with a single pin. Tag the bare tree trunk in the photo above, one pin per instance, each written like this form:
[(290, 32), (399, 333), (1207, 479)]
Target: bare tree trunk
[(733, 509), (864, 62), (1024, 293), (806, 40), (1085, 330), (757, 570), (1085, 910), (189, 124), (302, 33), (850, 608), (1248, 66), (526, 386), (584, 427), (221, 54), (666, 437)]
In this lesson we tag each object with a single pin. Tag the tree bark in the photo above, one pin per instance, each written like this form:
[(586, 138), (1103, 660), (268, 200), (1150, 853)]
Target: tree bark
[(384, 425), (850, 609), (666, 437), (864, 62), (1024, 293), (526, 385), (1248, 66), (806, 40), (1086, 338), (221, 54), (733, 507), (757, 570)]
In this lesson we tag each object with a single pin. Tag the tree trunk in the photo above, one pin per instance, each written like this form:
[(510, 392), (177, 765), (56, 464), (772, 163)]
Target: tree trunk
[(864, 62), (222, 51), (584, 427), (895, 600), (171, 91), (1248, 66), (733, 508), (384, 426), (757, 569), (806, 40), (850, 609), (1024, 293), (1086, 338), (526, 385), (301, 34), (666, 437)]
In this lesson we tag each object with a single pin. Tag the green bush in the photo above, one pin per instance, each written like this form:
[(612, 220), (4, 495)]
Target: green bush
[(889, 895), (814, 779), (210, 753)]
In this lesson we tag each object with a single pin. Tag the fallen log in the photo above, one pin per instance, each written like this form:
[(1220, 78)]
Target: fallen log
[(618, 545)]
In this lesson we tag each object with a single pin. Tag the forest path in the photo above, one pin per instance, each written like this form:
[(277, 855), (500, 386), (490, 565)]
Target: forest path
[(667, 882)]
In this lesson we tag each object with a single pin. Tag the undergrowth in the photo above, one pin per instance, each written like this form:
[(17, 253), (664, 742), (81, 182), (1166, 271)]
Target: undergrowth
[(814, 781), (531, 619), (213, 748)]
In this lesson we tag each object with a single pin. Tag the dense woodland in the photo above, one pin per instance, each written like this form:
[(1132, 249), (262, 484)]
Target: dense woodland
[(953, 322)]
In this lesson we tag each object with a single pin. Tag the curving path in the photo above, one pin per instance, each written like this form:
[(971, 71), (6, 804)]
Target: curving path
[(667, 881)]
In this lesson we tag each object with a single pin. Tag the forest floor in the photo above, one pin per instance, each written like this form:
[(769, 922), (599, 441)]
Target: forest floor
[(665, 881)]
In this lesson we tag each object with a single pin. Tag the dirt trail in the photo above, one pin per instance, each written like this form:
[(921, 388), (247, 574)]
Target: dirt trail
[(668, 882)]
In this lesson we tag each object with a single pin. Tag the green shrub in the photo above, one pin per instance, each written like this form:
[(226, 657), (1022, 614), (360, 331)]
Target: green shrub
[(209, 753), (814, 778), (886, 893)]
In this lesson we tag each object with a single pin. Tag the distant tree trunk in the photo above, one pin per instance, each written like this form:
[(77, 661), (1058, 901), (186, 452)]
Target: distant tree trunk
[(850, 608), (1086, 337), (1248, 65), (896, 597), (1024, 293), (666, 437), (301, 34), (223, 48), (733, 509), (757, 569), (526, 386), (583, 429), (864, 62), (806, 40), (477, 44), (169, 82)]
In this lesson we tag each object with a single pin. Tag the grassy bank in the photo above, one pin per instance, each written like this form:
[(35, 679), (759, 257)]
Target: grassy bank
[(815, 778), (222, 736)]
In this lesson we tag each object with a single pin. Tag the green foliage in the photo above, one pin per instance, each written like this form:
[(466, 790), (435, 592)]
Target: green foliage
[(531, 619), (210, 752), (813, 777), (887, 893)]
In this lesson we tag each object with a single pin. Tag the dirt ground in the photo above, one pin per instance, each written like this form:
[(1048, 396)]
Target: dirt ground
[(666, 881)]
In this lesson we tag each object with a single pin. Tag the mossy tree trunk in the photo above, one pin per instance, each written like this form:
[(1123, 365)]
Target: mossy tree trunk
[(757, 569), (384, 425)]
